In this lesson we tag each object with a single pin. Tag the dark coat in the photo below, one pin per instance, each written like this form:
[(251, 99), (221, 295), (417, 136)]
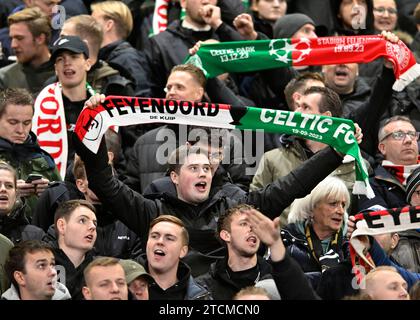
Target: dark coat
[(389, 192), (136, 211), (74, 279), (16, 226), (131, 64), (186, 287), (220, 285), (170, 47), (298, 248), (357, 98)]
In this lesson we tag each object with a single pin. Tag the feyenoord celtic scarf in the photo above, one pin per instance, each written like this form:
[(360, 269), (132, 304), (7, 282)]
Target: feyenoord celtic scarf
[(378, 222), (123, 111), (246, 56)]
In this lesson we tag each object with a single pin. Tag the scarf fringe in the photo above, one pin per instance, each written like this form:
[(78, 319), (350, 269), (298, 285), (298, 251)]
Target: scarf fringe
[(410, 75), (363, 187)]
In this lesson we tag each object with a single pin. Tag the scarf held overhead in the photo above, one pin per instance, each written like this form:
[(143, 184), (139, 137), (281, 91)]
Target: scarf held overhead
[(247, 56), (123, 111), (379, 222)]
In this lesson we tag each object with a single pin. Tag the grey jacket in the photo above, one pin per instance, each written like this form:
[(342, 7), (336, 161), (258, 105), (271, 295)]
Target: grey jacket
[(61, 293)]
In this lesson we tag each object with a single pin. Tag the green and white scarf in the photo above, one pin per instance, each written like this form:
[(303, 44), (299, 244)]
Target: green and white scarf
[(247, 56), (123, 111)]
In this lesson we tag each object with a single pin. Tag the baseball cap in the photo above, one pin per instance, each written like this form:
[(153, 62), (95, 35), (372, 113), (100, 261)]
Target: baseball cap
[(133, 270), (69, 43)]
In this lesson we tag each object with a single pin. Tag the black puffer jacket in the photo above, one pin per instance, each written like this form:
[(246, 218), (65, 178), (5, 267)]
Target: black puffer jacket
[(17, 228), (131, 64), (389, 192), (357, 98), (136, 211)]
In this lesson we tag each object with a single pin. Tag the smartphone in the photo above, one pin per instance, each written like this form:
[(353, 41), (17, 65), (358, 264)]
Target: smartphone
[(32, 177)]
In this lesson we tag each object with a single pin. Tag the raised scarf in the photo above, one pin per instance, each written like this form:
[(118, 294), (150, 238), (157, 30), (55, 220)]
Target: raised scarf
[(123, 111), (247, 56), (378, 222)]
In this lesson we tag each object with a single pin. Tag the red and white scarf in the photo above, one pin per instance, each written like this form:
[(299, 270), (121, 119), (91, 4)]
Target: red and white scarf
[(49, 125), (399, 171), (160, 16), (379, 222)]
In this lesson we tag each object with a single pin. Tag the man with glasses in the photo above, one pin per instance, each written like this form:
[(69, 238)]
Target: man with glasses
[(398, 145), (385, 15)]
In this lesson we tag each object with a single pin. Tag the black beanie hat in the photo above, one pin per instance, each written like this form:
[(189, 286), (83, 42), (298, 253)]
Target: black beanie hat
[(288, 25), (413, 181)]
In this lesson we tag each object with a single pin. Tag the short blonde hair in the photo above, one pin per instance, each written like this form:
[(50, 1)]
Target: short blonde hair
[(86, 27), (119, 13), (100, 262), (370, 277)]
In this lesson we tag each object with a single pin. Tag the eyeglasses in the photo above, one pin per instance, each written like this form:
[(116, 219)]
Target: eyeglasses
[(401, 135), (382, 10)]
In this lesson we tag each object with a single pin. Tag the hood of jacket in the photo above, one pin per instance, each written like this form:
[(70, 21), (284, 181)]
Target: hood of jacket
[(15, 218), (61, 293), (24, 151)]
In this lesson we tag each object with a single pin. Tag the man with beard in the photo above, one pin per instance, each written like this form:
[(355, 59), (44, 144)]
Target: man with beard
[(30, 33)]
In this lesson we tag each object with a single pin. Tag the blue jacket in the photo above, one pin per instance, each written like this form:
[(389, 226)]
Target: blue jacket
[(381, 259)]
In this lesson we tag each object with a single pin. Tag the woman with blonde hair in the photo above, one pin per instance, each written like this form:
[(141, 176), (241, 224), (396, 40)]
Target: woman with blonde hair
[(315, 233)]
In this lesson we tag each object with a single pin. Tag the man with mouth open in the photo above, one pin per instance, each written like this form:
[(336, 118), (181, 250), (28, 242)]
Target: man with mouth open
[(167, 244), (194, 204), (75, 224), (30, 267), (242, 229)]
